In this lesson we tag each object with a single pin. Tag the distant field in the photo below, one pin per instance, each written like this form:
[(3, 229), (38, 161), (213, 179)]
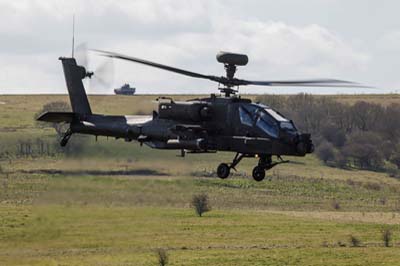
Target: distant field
[(116, 104), (117, 203)]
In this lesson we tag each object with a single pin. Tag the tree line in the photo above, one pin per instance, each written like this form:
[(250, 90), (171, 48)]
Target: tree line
[(362, 135)]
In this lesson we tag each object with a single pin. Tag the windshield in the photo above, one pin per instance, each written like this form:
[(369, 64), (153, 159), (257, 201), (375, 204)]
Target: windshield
[(288, 126), (267, 124), (248, 114), (265, 118), (251, 114)]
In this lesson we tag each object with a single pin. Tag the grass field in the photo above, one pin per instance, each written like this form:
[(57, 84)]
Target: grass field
[(118, 203)]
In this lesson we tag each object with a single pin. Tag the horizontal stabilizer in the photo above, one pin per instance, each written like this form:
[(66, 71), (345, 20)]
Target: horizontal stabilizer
[(57, 117)]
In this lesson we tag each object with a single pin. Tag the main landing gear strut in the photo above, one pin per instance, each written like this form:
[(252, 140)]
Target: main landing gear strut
[(264, 163), (66, 137), (224, 169)]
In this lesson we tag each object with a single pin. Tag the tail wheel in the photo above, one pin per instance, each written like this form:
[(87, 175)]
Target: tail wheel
[(258, 173), (223, 171)]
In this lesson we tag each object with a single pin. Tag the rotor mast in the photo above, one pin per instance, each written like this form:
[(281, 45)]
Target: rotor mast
[(231, 61)]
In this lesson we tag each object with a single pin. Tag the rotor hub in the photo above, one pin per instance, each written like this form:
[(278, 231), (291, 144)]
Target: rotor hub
[(230, 61)]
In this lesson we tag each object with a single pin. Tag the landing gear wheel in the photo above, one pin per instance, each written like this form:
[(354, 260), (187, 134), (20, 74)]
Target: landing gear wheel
[(223, 171), (258, 173)]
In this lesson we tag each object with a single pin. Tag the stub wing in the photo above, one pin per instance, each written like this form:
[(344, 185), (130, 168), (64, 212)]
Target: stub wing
[(57, 117)]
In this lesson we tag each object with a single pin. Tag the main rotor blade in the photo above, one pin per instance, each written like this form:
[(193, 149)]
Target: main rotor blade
[(238, 82), (157, 65), (304, 83)]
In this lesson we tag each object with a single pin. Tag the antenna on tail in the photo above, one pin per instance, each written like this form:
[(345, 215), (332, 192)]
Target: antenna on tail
[(73, 35)]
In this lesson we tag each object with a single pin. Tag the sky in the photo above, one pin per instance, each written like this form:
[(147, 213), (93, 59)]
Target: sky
[(356, 40)]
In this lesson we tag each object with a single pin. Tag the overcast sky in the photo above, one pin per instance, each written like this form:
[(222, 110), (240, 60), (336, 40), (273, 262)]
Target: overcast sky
[(357, 40)]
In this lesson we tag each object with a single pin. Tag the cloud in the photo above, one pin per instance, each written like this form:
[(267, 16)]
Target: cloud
[(183, 33), (390, 41), (276, 50)]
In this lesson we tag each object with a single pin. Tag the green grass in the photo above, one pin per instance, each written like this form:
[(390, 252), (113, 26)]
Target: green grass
[(81, 235), (123, 183), (103, 208), (64, 219)]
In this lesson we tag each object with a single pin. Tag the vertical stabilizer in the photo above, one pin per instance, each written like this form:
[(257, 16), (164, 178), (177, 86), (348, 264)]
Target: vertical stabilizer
[(73, 77)]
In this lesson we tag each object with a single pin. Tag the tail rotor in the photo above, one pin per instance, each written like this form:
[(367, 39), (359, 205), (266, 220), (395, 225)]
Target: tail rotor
[(100, 80)]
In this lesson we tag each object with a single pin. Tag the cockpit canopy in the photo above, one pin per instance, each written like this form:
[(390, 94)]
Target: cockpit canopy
[(265, 118)]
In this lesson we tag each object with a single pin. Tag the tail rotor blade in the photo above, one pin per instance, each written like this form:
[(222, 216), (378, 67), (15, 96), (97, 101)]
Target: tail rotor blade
[(103, 76)]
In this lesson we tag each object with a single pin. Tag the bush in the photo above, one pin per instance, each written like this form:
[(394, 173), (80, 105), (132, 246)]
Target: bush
[(354, 241), (392, 170), (364, 149), (326, 152), (162, 257), (335, 204), (334, 135), (340, 160), (200, 204), (395, 158), (386, 237), (57, 106)]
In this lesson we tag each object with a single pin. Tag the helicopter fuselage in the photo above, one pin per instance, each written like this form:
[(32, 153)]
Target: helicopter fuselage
[(217, 123), (205, 125)]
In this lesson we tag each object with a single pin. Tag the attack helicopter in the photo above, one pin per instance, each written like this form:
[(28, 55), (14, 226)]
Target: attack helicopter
[(224, 122)]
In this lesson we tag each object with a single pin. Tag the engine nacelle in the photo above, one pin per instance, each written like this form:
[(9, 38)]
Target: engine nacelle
[(185, 111)]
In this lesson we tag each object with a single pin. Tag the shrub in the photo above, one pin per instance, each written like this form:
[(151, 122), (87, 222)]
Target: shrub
[(334, 135), (386, 237), (200, 204), (364, 149), (392, 170), (335, 204), (354, 241), (57, 106), (383, 200), (340, 160), (395, 159), (162, 257), (326, 152)]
